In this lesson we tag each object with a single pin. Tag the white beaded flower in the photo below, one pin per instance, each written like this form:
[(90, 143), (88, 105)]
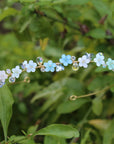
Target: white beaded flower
[(16, 72), (99, 60), (3, 76), (83, 61), (31, 66)]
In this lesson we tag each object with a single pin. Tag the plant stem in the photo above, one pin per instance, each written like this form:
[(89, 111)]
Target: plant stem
[(74, 97)]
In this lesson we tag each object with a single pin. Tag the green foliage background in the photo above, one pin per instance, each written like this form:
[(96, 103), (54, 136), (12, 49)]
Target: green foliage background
[(49, 28)]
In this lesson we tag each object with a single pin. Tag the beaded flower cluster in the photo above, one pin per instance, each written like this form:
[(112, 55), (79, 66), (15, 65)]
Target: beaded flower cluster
[(50, 66)]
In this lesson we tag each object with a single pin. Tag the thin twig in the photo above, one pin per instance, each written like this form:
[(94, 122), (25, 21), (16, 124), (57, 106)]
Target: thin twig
[(74, 97)]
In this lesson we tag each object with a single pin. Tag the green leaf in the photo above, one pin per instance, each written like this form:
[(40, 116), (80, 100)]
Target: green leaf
[(101, 7), (109, 134), (27, 1), (8, 12), (59, 130), (25, 25), (6, 102), (54, 140), (50, 2), (21, 140), (100, 82), (70, 106), (97, 106), (16, 138), (101, 69), (78, 2), (97, 33), (32, 129)]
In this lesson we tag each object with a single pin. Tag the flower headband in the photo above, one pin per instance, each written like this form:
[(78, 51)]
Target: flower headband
[(49, 66)]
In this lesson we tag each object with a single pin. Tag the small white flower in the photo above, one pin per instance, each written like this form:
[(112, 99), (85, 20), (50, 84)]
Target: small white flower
[(16, 72), (3, 76), (31, 66), (99, 60), (83, 61)]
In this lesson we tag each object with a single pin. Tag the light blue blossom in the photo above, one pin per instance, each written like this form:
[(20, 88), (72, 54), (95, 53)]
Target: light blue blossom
[(99, 59), (16, 72), (65, 60), (50, 66), (110, 64), (31, 66)]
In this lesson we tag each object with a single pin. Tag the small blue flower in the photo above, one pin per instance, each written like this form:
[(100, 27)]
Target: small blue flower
[(110, 64), (50, 66), (31, 66), (65, 60)]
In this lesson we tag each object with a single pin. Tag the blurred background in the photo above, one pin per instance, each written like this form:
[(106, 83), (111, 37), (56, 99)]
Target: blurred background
[(47, 28)]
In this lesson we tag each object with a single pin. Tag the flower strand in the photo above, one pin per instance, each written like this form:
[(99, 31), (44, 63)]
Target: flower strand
[(50, 66)]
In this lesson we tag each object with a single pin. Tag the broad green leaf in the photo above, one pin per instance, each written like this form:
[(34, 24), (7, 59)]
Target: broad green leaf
[(8, 12), (52, 89), (6, 102), (53, 99), (97, 33), (109, 134), (54, 140), (70, 106), (97, 106), (59, 130), (56, 87)]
